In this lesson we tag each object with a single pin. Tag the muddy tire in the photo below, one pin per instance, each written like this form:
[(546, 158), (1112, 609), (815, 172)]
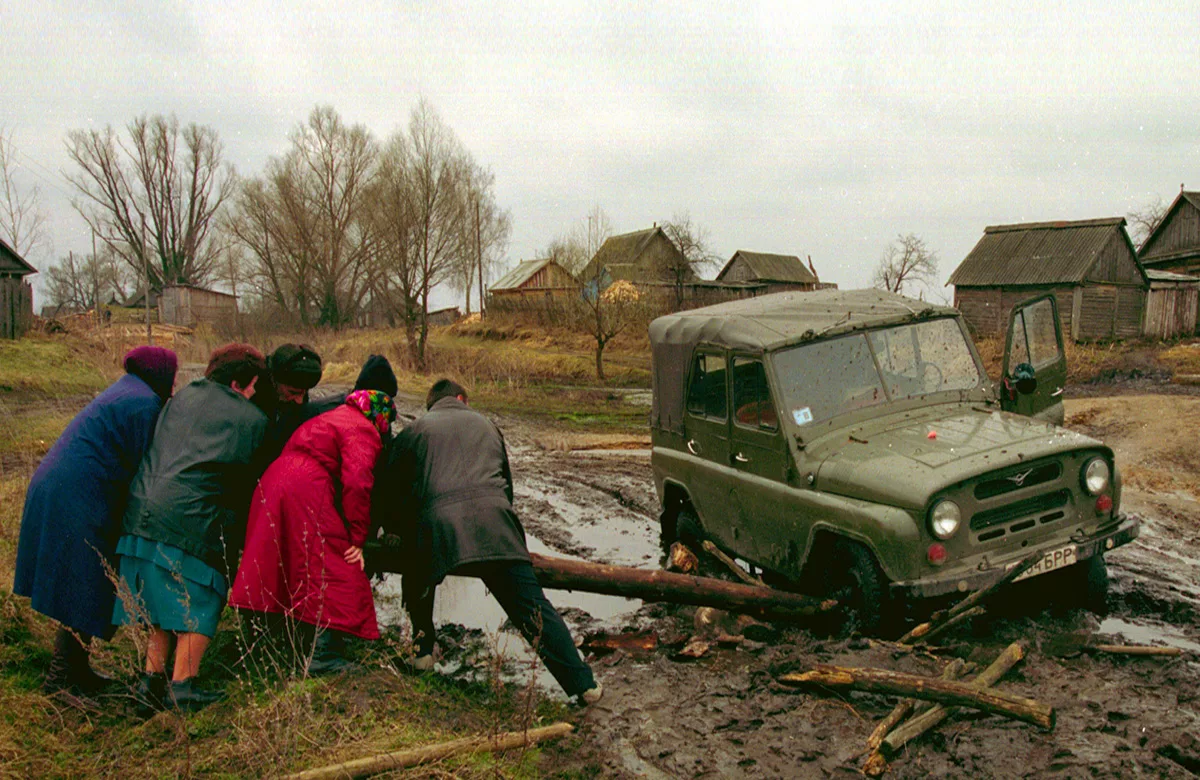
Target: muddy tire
[(855, 580), (680, 526), (1084, 586)]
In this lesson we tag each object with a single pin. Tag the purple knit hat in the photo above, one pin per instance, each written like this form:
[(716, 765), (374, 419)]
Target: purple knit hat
[(155, 366)]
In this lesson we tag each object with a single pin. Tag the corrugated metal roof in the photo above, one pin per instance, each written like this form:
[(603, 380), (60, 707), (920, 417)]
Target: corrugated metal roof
[(11, 262), (772, 268), (1036, 252), (521, 274), (1155, 275)]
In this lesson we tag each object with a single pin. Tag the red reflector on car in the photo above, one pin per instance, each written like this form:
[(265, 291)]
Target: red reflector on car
[(1103, 504), (936, 554)]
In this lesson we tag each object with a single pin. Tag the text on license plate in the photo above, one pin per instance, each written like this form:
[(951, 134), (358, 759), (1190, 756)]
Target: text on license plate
[(1053, 559)]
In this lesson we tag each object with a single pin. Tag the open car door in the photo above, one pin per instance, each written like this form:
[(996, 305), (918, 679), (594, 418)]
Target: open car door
[(1035, 364)]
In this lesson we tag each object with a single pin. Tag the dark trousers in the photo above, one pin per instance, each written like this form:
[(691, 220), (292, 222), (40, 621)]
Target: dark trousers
[(516, 588)]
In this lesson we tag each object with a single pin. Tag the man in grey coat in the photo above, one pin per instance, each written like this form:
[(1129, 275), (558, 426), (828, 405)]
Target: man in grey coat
[(461, 520)]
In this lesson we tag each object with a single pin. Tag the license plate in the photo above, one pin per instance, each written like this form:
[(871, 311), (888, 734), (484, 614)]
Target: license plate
[(1052, 560)]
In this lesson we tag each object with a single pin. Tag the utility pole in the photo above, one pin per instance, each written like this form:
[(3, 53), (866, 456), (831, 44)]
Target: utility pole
[(479, 255), (146, 269), (96, 280)]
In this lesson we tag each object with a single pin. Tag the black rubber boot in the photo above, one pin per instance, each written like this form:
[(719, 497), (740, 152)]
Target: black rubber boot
[(182, 695), (151, 693), (70, 667), (328, 654)]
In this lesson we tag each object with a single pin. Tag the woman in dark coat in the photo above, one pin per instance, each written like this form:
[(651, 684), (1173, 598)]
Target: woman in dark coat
[(73, 512), (308, 520)]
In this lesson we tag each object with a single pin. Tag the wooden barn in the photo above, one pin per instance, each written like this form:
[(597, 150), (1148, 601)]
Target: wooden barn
[(535, 278), (776, 273), (188, 306), (16, 294), (1171, 304), (1175, 243), (644, 257), (1089, 265)]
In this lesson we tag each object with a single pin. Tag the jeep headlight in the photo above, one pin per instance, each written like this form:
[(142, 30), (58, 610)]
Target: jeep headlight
[(1096, 476), (944, 518)]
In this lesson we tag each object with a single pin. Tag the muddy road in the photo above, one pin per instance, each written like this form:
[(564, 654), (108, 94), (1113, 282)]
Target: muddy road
[(723, 715)]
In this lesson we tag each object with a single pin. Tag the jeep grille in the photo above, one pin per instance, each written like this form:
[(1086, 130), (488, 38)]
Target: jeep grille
[(1023, 515), (1017, 479)]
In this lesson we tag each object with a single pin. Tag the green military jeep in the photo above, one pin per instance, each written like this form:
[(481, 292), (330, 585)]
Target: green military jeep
[(849, 443)]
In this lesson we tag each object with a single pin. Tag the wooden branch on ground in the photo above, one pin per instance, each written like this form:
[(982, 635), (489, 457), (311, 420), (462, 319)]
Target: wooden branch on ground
[(917, 726), (953, 671), (423, 755), (978, 596), (942, 691), (731, 564), (682, 559), (950, 623), (1136, 650)]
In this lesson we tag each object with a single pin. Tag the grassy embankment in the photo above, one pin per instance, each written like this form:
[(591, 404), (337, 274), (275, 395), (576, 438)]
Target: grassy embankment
[(273, 719)]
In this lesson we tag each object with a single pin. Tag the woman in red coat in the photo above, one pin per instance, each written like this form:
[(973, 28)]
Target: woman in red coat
[(308, 520)]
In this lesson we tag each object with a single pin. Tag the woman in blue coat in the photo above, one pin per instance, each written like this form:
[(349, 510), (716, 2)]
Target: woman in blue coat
[(73, 511)]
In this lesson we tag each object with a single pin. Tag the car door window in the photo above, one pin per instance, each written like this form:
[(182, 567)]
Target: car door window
[(751, 395), (1040, 331), (706, 390)]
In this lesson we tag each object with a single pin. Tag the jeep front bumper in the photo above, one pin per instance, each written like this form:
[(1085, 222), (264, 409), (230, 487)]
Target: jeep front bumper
[(1107, 538)]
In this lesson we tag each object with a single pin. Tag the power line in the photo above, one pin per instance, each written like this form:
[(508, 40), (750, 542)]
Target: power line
[(37, 175)]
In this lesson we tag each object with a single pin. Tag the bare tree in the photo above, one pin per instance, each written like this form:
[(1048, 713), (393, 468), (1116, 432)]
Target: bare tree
[(694, 254), (304, 222), (487, 229), (607, 312), (22, 221), (396, 267), (82, 282), (437, 171), (153, 198), (906, 260), (1144, 221)]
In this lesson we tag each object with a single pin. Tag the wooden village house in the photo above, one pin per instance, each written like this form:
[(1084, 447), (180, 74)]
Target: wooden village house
[(1089, 265), (770, 273), (182, 304), (1174, 245), (16, 294), (532, 283)]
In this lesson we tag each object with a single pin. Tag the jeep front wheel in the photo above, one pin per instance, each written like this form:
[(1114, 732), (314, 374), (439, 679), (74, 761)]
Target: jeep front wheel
[(854, 579)]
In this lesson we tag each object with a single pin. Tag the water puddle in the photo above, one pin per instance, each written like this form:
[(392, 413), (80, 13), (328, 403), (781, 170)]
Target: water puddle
[(1142, 634)]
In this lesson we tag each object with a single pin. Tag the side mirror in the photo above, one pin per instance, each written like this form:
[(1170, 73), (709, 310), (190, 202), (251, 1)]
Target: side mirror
[(1024, 378)]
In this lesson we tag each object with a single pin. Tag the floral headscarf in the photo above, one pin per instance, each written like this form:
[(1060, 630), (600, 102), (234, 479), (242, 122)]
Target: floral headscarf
[(376, 406)]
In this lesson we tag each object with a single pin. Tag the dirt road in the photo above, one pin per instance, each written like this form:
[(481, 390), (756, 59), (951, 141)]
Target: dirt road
[(722, 715)]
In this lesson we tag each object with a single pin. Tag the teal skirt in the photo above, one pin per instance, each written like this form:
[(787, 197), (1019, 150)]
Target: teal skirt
[(167, 588)]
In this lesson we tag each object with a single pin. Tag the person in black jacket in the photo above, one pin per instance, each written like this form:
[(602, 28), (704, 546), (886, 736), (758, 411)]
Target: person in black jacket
[(461, 521), (191, 490)]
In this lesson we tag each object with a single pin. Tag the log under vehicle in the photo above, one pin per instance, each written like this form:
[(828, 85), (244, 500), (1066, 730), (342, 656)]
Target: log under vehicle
[(850, 444)]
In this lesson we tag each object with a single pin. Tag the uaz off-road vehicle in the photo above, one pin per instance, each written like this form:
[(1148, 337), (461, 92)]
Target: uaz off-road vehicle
[(850, 443)]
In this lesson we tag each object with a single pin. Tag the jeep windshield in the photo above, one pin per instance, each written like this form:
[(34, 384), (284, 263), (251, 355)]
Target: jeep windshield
[(824, 379)]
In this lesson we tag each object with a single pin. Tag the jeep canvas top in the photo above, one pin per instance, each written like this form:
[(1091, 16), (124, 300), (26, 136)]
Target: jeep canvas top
[(850, 442)]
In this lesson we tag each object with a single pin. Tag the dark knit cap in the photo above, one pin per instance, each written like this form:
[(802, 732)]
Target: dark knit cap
[(377, 374), (240, 362), (297, 365), (156, 366)]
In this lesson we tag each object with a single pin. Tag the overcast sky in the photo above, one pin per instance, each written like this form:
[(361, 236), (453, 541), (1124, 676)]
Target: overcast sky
[(780, 127)]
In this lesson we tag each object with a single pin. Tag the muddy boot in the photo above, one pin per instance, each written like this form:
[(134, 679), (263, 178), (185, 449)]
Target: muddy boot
[(181, 694), (151, 693), (328, 654)]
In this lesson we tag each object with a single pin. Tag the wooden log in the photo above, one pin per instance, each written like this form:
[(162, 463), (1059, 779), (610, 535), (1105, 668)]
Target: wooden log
[(1137, 650), (731, 564), (917, 726), (917, 687), (953, 671), (961, 617), (977, 597), (423, 755), (658, 585), (645, 584), (682, 559)]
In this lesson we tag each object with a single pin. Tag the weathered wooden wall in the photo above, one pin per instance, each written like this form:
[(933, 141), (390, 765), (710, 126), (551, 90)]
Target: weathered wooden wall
[(1106, 312), (188, 306), (1171, 311), (986, 309), (1116, 263), (1181, 234), (16, 307)]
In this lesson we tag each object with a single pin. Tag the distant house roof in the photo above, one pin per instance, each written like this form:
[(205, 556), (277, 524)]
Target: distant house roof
[(1038, 252), (12, 263), (621, 255), (521, 274), (772, 268), (1190, 198), (200, 289)]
